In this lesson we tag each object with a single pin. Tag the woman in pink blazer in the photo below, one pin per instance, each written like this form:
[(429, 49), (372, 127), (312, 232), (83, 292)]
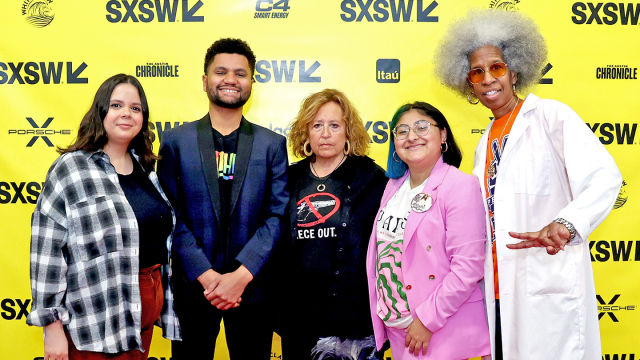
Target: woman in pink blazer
[(426, 253)]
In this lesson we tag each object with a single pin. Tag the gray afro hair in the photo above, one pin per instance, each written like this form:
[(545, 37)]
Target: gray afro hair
[(517, 35)]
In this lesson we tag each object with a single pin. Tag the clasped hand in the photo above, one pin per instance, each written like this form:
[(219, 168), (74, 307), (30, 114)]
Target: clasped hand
[(553, 236), (224, 291)]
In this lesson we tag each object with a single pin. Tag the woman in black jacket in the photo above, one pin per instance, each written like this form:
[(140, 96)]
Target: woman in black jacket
[(335, 192)]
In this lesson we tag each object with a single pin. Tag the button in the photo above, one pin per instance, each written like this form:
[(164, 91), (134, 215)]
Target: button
[(408, 287), (349, 187), (344, 224), (432, 277), (428, 247), (348, 200), (340, 249), (334, 294), (337, 272)]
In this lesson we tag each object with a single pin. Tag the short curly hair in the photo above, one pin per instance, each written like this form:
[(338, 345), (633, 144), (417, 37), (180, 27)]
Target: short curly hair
[(230, 46), (356, 133), (517, 35)]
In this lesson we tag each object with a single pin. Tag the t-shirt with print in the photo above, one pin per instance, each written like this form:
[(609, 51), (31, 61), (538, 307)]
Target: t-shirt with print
[(496, 142), (392, 304), (226, 148)]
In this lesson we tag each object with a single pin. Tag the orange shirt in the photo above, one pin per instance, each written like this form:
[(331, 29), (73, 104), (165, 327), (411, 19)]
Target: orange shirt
[(496, 141)]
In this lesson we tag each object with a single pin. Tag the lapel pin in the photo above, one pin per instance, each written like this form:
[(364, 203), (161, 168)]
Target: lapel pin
[(421, 202)]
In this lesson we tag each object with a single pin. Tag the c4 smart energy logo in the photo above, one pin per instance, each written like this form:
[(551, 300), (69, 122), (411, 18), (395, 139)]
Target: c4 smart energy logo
[(38, 12), (285, 70), (612, 309), (509, 5), (37, 132), (272, 9), (388, 70), (383, 10), (147, 11), (48, 73), (612, 13)]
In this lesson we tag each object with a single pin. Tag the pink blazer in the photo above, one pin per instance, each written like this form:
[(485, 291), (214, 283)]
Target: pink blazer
[(442, 264)]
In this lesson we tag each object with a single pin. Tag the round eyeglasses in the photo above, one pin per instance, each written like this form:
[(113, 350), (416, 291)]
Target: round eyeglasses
[(420, 128), (496, 70)]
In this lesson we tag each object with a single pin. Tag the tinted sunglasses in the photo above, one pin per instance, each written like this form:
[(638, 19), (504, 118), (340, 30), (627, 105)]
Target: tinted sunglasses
[(496, 70)]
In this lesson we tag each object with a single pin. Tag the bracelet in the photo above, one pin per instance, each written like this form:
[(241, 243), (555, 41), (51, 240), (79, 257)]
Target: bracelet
[(572, 230)]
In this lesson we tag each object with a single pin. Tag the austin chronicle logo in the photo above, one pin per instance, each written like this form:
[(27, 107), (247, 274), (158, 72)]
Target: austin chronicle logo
[(38, 12), (509, 5)]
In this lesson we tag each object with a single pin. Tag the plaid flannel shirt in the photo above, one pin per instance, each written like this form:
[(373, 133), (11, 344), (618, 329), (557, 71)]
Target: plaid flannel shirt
[(84, 257)]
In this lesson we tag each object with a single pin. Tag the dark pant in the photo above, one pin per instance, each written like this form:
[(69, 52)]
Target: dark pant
[(152, 298), (248, 328), (498, 354)]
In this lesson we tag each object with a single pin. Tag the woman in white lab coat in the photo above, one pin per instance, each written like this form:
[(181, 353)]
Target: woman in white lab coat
[(548, 183)]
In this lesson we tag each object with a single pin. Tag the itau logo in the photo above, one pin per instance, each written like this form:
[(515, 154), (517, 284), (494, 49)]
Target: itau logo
[(509, 5), (38, 12)]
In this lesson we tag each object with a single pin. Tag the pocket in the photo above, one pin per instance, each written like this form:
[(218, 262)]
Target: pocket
[(96, 228), (550, 275), (533, 173)]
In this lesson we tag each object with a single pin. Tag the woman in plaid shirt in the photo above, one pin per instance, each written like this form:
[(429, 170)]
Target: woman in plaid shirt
[(101, 236)]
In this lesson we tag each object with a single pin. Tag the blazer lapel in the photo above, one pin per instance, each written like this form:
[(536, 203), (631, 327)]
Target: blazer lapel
[(414, 219), (209, 163), (520, 125), (245, 145)]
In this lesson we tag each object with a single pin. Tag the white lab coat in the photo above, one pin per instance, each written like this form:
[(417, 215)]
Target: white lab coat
[(552, 166)]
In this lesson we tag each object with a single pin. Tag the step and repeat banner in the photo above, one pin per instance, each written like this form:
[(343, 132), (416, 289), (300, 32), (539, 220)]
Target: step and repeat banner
[(55, 53)]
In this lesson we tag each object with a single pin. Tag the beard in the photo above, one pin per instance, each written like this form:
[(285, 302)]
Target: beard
[(215, 98)]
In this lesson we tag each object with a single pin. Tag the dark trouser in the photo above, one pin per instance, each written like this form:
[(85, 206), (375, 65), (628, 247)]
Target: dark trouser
[(498, 353), (152, 299), (297, 346), (248, 328)]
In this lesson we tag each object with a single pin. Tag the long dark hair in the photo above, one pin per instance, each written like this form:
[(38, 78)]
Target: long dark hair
[(92, 136), (453, 156)]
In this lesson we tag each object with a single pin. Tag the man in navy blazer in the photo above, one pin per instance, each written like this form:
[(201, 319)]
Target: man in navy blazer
[(226, 178)]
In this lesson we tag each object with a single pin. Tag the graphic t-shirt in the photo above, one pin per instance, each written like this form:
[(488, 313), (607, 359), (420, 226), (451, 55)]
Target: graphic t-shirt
[(226, 147), (392, 306), (496, 142)]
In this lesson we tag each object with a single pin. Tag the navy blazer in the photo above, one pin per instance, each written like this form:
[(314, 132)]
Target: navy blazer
[(189, 175)]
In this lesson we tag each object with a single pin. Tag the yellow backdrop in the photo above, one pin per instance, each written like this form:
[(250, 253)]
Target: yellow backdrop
[(55, 54)]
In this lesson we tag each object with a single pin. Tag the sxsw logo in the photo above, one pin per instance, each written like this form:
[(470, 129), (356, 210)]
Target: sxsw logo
[(621, 133), (388, 70), (380, 10), (164, 11), (608, 308), (11, 192), (619, 357), (50, 72), (40, 131), (280, 70), (158, 128), (14, 310), (603, 250), (613, 12)]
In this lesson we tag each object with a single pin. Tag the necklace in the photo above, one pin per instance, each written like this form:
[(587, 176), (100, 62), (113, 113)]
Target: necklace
[(322, 187), (492, 170)]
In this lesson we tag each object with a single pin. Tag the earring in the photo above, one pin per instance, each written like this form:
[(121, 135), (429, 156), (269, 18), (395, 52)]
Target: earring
[(473, 95), (394, 157), (348, 149), (444, 147), (304, 148), (514, 90)]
